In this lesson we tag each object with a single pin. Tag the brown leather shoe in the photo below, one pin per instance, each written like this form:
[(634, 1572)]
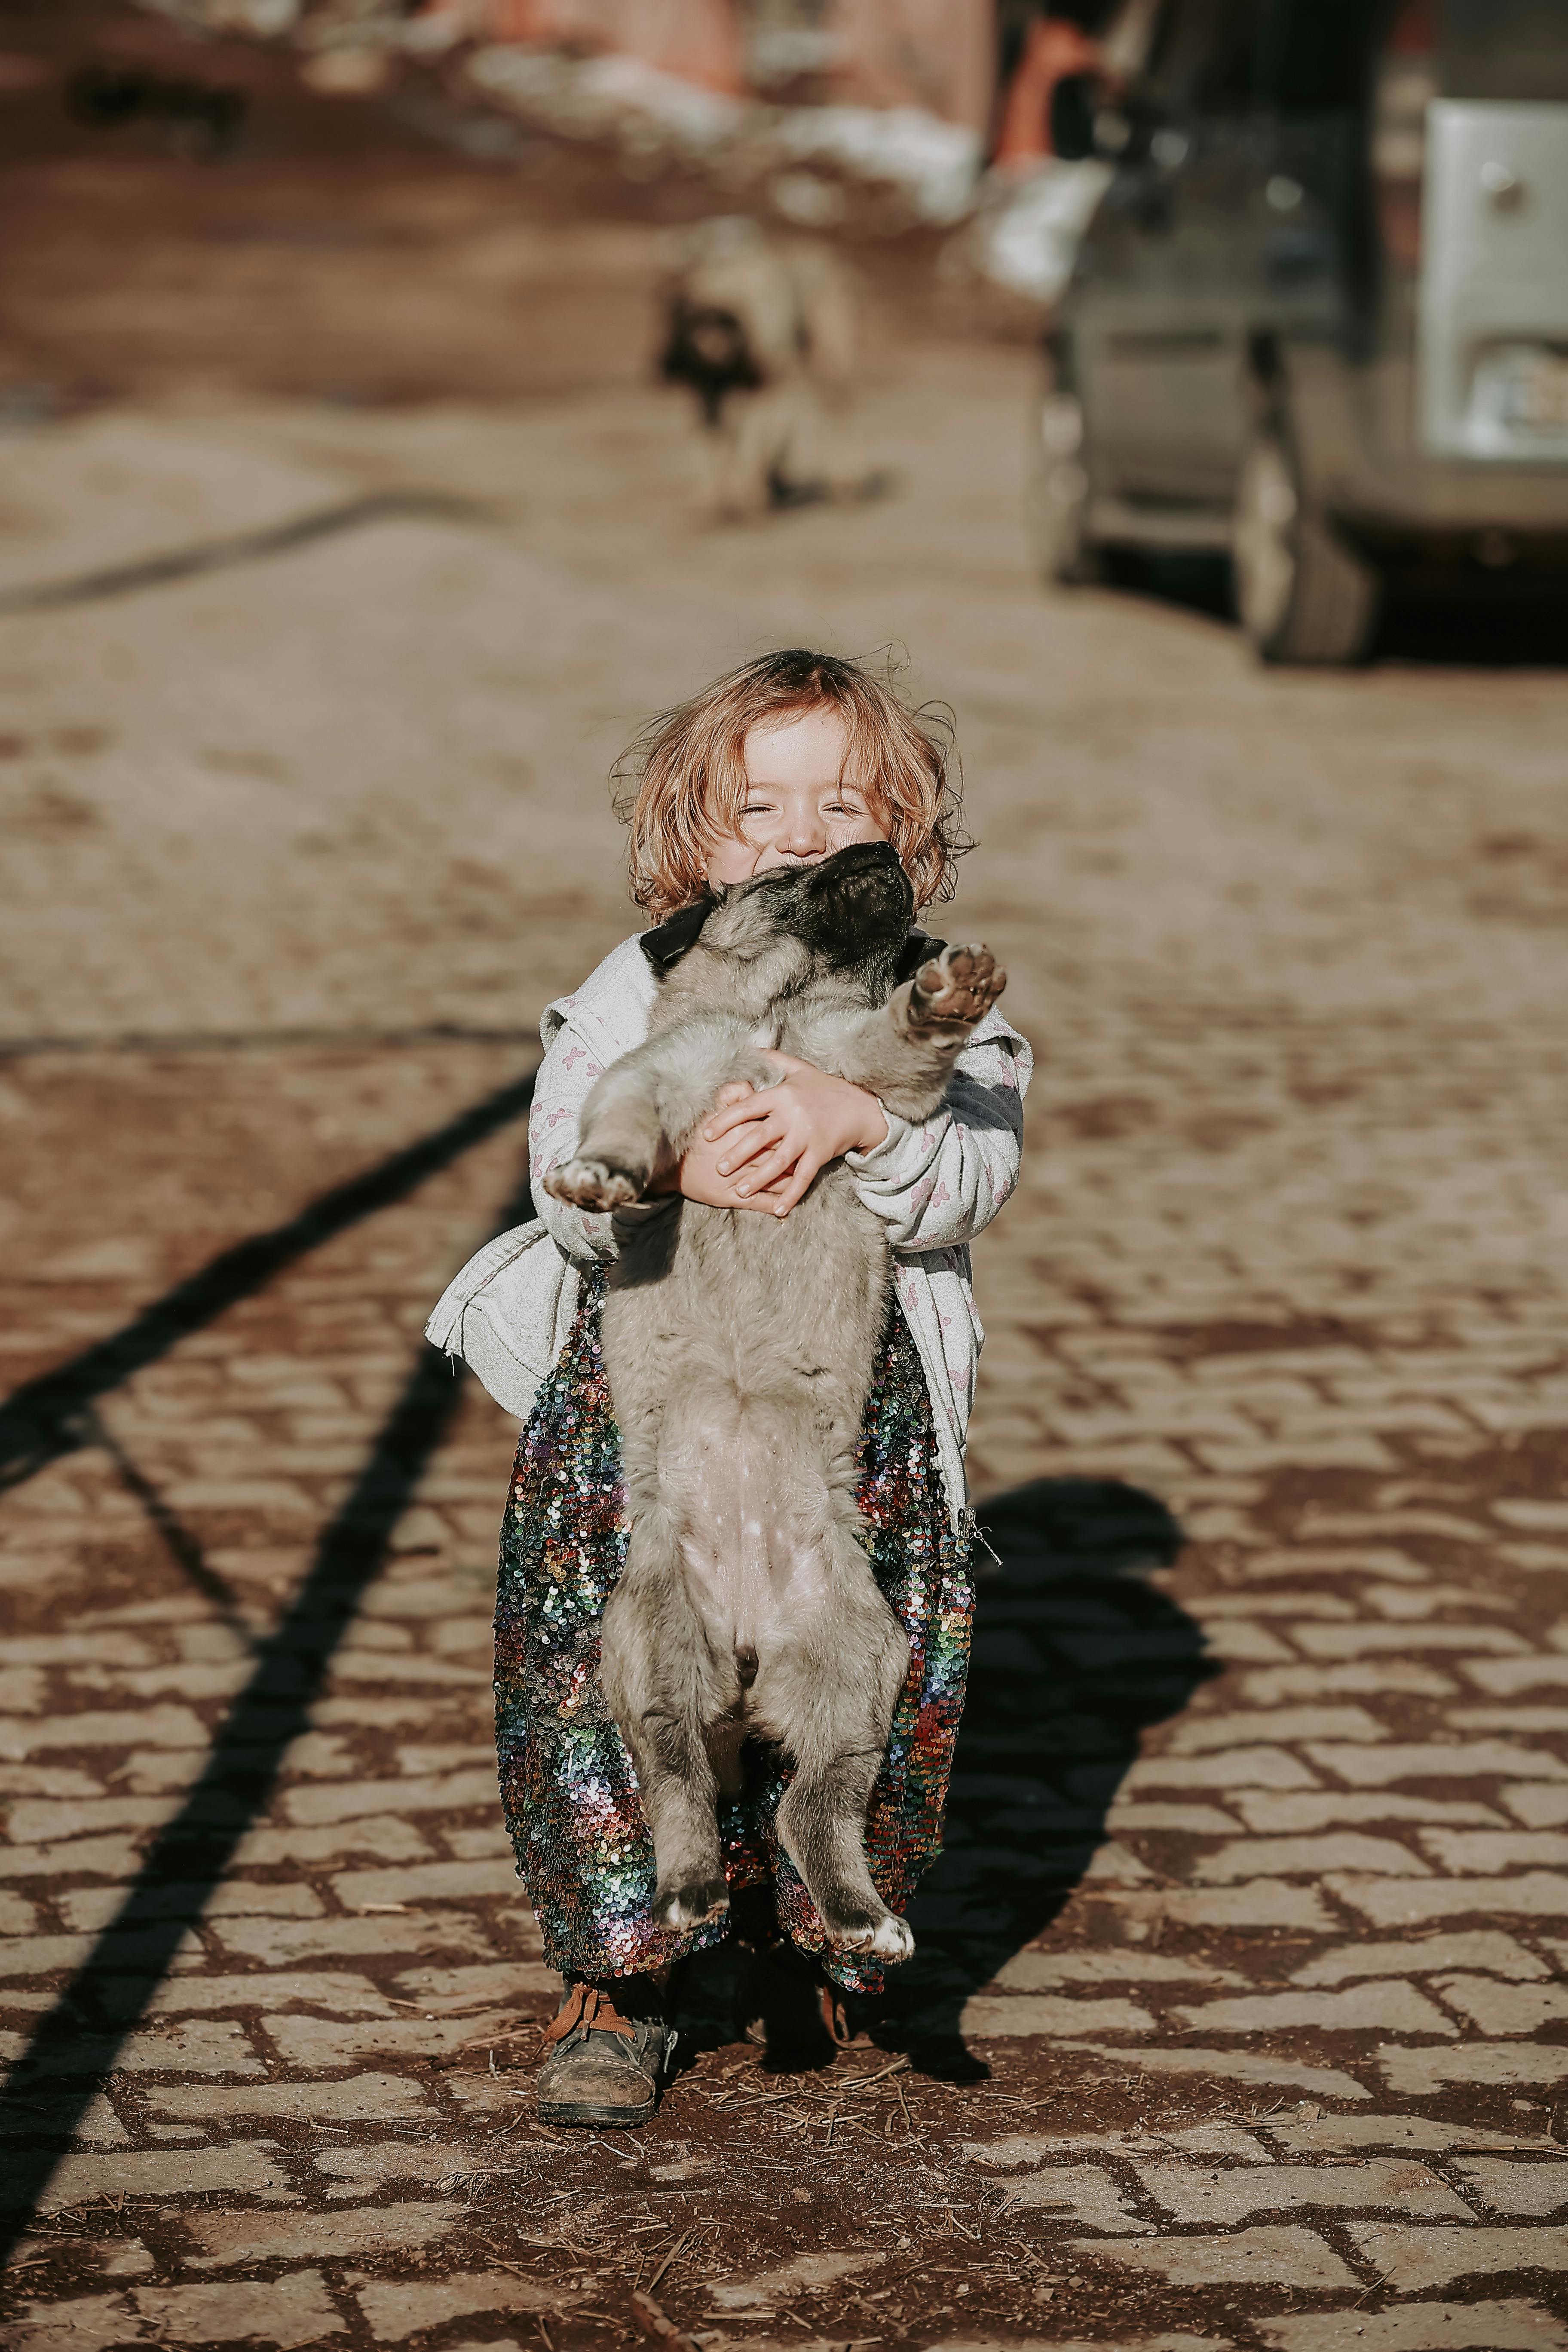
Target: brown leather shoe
[(602, 2068)]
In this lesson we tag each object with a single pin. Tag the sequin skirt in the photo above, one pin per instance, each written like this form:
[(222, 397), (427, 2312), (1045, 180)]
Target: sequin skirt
[(568, 1790)]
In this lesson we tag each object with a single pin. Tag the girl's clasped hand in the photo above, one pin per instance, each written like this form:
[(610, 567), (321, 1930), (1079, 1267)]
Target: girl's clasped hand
[(761, 1150)]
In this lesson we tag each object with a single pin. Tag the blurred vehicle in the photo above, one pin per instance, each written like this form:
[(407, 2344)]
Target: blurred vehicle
[(1319, 317)]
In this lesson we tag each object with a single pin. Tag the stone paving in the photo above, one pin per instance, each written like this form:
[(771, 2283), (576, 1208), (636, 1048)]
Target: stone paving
[(1255, 1902)]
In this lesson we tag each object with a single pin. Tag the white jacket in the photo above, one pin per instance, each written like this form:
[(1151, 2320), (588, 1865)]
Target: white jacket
[(934, 1185)]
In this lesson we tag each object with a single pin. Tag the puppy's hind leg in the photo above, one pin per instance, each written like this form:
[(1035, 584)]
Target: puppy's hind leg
[(822, 1827), (839, 1710), (655, 1673)]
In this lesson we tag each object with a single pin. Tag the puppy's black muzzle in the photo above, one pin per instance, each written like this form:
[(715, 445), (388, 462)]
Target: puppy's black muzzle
[(854, 903)]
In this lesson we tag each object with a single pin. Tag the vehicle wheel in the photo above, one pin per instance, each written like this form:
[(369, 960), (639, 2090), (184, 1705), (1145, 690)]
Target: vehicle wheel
[(1302, 597), (1059, 497)]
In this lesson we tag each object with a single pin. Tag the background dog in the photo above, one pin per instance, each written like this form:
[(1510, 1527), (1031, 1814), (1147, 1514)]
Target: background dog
[(764, 330), (739, 1349)]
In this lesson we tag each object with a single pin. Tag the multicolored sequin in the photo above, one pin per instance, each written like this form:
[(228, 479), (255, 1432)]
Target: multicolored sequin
[(568, 1790)]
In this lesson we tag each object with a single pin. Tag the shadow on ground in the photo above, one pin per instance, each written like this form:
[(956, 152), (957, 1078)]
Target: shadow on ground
[(1508, 626), (1074, 1654), (80, 2039)]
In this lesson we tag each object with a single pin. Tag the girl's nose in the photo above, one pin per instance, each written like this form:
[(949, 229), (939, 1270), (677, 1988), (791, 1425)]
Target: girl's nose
[(805, 835)]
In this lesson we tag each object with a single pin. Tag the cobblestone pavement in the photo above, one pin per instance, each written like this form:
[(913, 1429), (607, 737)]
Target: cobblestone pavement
[(1256, 1897)]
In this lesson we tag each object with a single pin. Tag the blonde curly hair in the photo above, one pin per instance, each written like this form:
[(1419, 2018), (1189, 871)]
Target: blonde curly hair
[(680, 785)]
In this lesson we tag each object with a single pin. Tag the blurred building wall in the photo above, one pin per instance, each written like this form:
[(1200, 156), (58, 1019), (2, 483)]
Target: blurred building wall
[(936, 54), (697, 40), (939, 55)]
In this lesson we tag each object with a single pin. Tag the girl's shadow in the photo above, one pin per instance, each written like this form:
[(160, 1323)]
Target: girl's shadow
[(1074, 1654)]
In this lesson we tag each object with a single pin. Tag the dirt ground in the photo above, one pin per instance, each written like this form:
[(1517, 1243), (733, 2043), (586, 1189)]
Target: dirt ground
[(343, 539)]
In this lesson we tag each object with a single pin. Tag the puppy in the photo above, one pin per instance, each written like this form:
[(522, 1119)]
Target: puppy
[(740, 1350)]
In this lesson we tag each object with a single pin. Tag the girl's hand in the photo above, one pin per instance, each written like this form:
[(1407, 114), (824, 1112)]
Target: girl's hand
[(696, 1176), (774, 1143)]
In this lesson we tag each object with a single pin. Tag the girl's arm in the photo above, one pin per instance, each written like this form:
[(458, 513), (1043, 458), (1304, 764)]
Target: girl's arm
[(560, 1090), (940, 1182), (936, 1182)]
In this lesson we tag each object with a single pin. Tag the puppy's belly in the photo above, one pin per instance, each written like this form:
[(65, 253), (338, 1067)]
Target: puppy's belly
[(739, 1360), (752, 1512)]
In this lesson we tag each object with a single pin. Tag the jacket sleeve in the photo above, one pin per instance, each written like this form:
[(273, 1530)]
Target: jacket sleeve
[(939, 1182), (560, 1090)]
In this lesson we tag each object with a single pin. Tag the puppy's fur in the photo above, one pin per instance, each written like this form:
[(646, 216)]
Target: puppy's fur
[(740, 1350)]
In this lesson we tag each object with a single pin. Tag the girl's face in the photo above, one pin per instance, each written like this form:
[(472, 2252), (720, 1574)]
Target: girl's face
[(796, 810)]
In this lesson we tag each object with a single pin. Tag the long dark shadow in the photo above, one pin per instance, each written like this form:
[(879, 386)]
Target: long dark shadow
[(241, 547), (78, 2044), (45, 1418), (1074, 1654), (176, 1539)]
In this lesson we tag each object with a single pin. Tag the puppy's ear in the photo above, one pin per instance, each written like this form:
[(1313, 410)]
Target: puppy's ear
[(918, 949), (665, 947)]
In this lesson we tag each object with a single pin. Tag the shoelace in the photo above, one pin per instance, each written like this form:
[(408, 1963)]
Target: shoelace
[(592, 2010), (834, 2015)]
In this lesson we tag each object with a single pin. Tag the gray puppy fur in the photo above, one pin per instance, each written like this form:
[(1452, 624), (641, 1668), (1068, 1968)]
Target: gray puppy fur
[(739, 1348)]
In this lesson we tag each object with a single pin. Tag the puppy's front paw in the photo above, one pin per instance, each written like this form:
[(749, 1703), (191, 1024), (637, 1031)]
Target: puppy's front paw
[(593, 1185), (957, 988)]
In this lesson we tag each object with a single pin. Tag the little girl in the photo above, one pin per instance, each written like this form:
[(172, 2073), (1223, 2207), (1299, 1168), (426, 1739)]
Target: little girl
[(784, 761)]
